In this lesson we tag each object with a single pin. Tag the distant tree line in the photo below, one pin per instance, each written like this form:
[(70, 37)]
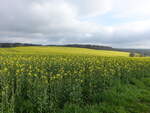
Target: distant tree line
[(6, 45), (98, 47)]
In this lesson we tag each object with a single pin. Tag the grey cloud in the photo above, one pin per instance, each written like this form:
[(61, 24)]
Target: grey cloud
[(58, 22)]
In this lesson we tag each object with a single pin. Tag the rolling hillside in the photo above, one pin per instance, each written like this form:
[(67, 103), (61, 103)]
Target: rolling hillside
[(60, 50), (144, 52)]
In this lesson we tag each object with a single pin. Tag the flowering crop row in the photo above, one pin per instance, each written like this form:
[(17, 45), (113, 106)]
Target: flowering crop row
[(46, 83)]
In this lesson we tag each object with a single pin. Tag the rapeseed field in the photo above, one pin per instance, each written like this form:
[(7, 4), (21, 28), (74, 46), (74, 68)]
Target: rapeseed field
[(72, 80)]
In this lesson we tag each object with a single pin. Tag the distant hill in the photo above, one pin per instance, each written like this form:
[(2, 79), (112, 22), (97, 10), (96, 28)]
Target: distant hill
[(47, 50), (71, 45), (145, 52)]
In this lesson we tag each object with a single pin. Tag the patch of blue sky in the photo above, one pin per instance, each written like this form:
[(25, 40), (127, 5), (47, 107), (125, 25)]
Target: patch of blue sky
[(109, 19)]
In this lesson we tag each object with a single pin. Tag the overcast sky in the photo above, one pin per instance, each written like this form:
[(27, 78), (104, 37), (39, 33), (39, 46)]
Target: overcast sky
[(116, 23)]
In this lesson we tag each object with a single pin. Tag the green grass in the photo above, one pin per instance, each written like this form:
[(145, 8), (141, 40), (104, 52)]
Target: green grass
[(72, 80)]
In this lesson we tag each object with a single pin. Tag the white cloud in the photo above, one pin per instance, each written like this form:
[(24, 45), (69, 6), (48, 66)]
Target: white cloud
[(131, 8), (88, 8)]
